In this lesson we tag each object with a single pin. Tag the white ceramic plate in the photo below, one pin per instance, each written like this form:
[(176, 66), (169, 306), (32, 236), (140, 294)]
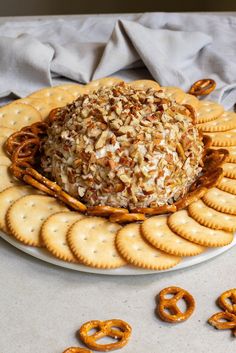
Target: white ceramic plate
[(122, 271)]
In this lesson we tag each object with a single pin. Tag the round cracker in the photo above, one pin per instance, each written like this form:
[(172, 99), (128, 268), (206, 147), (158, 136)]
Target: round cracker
[(2, 149), (156, 231), (4, 160), (103, 82), (174, 93), (144, 84), (223, 139), (43, 106), (74, 89), (184, 225), (224, 122), (56, 95), (7, 197), (5, 131), (208, 111), (17, 115), (7, 179), (54, 231), (191, 100), (26, 216), (92, 240), (232, 154), (137, 252), (211, 218), (229, 170), (228, 185), (221, 201)]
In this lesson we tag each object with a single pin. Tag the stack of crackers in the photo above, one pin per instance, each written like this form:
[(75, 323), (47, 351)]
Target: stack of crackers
[(158, 243)]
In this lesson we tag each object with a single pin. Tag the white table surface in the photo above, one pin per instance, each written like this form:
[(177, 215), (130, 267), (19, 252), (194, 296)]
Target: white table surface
[(42, 306)]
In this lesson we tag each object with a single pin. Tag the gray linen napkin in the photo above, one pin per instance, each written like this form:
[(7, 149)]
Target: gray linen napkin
[(176, 49), (164, 52), (24, 65)]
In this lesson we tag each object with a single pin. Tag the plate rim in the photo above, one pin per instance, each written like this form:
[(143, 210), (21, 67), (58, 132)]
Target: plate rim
[(43, 255)]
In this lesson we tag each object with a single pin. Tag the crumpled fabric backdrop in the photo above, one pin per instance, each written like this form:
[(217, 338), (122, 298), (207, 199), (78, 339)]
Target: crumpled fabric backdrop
[(174, 49)]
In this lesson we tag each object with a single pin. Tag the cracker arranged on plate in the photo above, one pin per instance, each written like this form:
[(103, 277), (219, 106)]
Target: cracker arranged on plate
[(190, 100), (232, 154), (103, 82), (4, 159), (143, 84), (74, 89), (136, 251), (156, 231), (184, 225), (223, 139), (173, 93), (229, 170), (17, 115), (7, 179), (226, 121), (6, 132), (55, 94), (208, 111), (228, 185), (26, 215), (54, 232), (7, 197), (211, 218), (221, 201), (42, 105), (92, 240)]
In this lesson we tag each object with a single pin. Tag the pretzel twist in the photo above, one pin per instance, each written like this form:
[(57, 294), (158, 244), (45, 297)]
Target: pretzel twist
[(202, 87), (229, 320), (16, 140), (227, 301), (26, 151), (116, 329), (167, 308)]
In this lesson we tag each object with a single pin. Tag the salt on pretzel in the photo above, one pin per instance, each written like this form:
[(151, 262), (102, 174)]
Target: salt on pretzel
[(202, 87), (223, 321), (167, 308), (116, 329)]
